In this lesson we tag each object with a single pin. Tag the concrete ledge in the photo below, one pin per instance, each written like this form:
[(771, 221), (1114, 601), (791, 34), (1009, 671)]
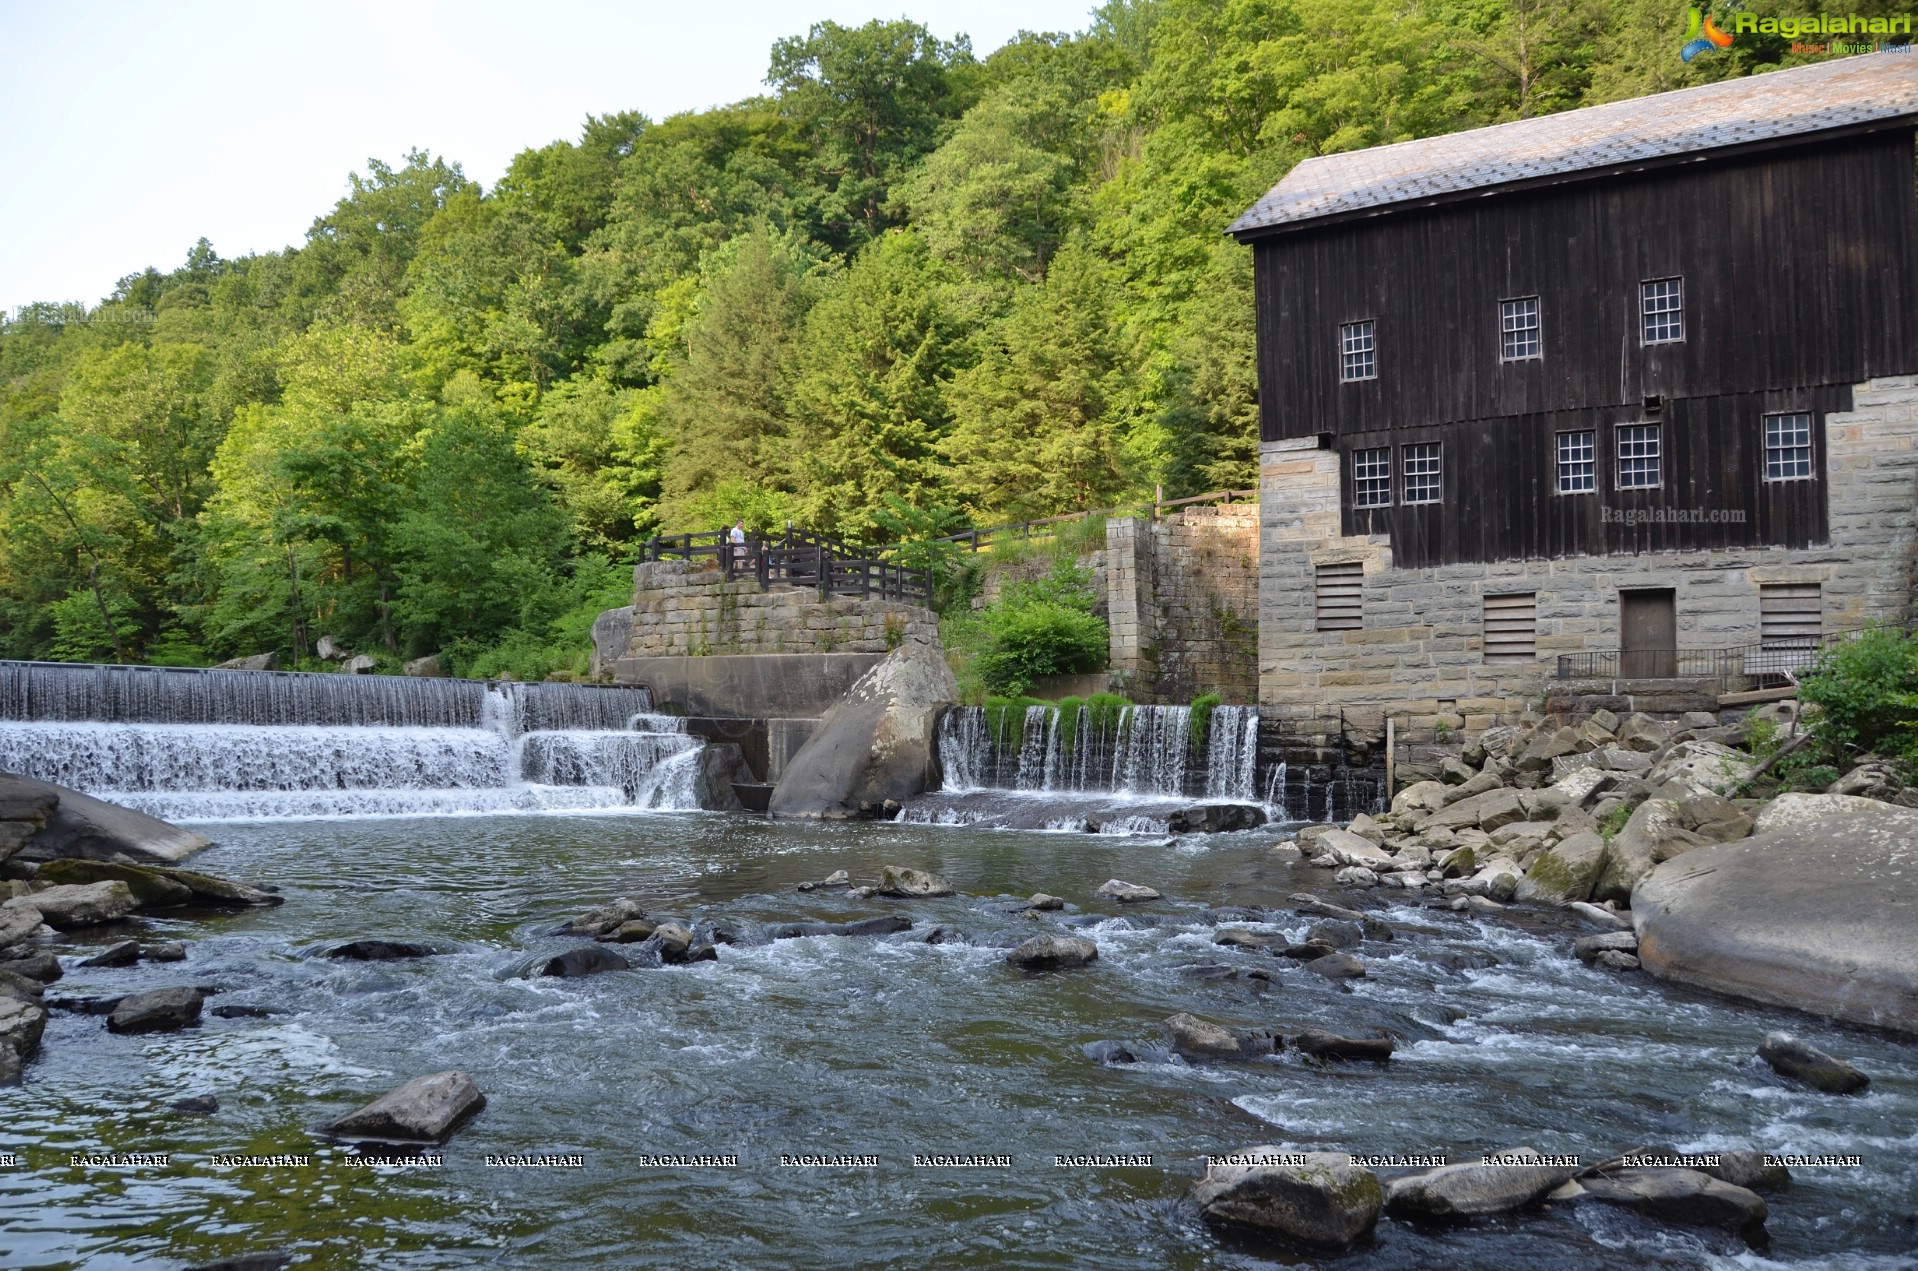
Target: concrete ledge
[(747, 685)]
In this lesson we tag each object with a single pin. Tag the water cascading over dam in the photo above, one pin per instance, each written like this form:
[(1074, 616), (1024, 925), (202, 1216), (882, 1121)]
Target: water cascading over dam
[(1144, 753), (188, 744)]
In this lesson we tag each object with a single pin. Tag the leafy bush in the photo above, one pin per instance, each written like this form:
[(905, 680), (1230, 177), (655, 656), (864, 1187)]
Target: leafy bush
[(1866, 694), (1202, 706), (1041, 626)]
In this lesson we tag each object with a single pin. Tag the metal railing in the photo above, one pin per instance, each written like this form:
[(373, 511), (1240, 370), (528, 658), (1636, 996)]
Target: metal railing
[(797, 559), (1741, 668)]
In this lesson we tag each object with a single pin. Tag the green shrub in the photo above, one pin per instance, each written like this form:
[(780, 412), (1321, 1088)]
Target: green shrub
[(1614, 822), (1866, 694), (1202, 718)]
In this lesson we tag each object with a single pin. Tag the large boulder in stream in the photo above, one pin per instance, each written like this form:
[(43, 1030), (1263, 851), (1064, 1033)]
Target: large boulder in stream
[(160, 1011), (1681, 1196), (1498, 1182), (66, 907), (79, 825), (159, 886), (1319, 1199), (876, 745), (423, 1112), (1815, 912)]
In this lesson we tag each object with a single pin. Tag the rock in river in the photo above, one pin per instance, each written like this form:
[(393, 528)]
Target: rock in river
[(380, 950), (1127, 893), (79, 825), (122, 953), (1681, 1196), (66, 907), (1337, 966), (1312, 1198), (17, 922), (1196, 1038), (1047, 953), (426, 1110), (885, 925), (591, 960), (897, 880), (1815, 912), (159, 1011), (1519, 1177), (1325, 1045), (1804, 1062), (21, 1023)]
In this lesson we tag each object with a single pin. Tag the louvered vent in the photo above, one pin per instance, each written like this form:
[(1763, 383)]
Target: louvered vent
[(1340, 592), (1511, 627)]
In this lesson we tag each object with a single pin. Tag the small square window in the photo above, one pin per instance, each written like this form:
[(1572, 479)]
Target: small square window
[(1518, 330), (1639, 456), (1787, 447), (1372, 478), (1577, 462), (1422, 484), (1662, 308), (1358, 351)]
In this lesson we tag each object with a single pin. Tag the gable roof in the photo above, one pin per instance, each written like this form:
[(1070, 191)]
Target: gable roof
[(1876, 89)]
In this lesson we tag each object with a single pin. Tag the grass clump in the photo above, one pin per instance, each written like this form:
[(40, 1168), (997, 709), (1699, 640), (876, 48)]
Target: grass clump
[(1202, 707)]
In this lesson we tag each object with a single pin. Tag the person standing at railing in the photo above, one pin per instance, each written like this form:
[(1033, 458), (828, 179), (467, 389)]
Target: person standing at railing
[(737, 537)]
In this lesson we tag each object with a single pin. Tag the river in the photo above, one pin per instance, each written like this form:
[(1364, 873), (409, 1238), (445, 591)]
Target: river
[(890, 1048)]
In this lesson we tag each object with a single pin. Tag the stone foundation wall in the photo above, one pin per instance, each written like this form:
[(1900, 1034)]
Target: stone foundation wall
[(1419, 656), (1183, 601), (685, 608)]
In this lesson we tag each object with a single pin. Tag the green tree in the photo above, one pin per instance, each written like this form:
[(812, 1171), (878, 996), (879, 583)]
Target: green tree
[(873, 362)]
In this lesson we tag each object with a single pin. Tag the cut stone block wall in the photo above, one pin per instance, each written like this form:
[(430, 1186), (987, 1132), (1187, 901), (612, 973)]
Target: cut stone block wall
[(1183, 600), (1419, 655), (683, 608)]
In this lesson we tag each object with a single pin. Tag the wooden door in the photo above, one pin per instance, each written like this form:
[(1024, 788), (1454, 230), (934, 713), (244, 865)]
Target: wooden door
[(1648, 634)]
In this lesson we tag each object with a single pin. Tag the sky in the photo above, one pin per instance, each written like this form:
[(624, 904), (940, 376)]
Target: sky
[(128, 131)]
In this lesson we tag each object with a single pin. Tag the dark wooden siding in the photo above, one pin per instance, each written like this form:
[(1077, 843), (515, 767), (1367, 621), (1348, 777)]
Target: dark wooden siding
[(1500, 477), (1800, 269)]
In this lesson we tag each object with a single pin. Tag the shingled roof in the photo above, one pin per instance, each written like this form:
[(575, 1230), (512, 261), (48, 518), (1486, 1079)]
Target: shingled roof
[(1879, 88)]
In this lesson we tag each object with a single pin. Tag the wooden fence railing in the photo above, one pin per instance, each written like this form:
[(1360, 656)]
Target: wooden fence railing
[(1024, 531), (798, 559)]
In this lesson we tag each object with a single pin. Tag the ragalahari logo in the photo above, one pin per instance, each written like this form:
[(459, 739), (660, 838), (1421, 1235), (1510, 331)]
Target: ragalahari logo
[(1702, 36)]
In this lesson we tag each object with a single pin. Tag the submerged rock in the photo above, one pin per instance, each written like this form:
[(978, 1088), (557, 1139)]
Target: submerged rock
[(425, 1111), (199, 1104), (247, 1262), (1749, 1170), (885, 925), (1336, 933), (577, 963), (1801, 1061), (1681, 1196), (151, 889), (1040, 900), (1519, 1177), (1312, 1198), (1127, 893), (162, 1010), (1323, 1045), (1049, 953), (380, 950), (838, 878)]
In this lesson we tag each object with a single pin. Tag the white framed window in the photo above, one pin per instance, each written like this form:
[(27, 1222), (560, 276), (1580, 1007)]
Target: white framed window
[(1788, 447), (1372, 478), (1358, 351), (1661, 306), (1518, 330), (1640, 457), (1578, 462), (1423, 482)]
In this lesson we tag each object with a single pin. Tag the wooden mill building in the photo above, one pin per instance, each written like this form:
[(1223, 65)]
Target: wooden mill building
[(1632, 384)]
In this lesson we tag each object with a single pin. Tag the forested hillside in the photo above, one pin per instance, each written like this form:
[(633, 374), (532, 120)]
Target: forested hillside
[(906, 289)]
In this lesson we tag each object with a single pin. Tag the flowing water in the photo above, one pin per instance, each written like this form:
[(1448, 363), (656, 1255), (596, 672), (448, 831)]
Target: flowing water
[(884, 1048)]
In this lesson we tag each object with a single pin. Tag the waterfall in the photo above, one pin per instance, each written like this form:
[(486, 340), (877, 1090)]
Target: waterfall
[(1143, 751), (214, 745)]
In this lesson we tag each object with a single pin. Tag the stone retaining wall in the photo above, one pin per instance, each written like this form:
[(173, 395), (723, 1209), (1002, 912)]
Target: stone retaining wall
[(1183, 600), (1419, 655), (685, 608)]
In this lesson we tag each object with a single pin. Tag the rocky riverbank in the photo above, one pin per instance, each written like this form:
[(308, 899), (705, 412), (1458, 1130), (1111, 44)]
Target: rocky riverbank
[(1806, 901), (69, 862)]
